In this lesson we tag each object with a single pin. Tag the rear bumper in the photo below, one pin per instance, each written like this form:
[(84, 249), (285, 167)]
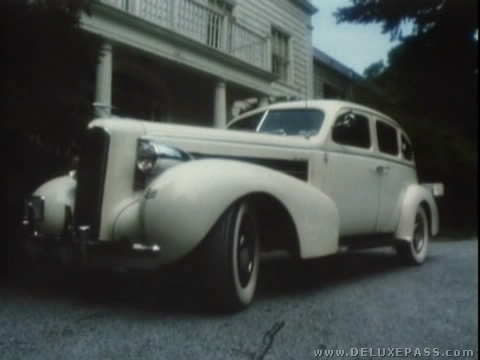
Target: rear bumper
[(75, 245)]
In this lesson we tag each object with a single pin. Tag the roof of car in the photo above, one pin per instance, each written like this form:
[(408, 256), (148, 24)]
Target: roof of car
[(328, 105)]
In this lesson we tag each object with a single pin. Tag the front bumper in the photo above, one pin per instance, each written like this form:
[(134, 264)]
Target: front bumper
[(75, 246)]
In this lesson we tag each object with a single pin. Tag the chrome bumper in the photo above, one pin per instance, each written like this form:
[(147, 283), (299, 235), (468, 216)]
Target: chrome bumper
[(75, 246)]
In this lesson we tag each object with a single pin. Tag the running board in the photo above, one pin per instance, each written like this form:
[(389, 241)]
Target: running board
[(366, 242)]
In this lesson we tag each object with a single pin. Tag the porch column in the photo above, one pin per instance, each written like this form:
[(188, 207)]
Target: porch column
[(103, 88), (220, 105), (263, 101)]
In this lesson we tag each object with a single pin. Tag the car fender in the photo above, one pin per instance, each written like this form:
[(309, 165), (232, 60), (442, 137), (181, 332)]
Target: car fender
[(415, 196), (181, 205), (57, 194)]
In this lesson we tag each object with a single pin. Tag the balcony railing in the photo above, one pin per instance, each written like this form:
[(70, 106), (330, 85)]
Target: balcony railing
[(203, 24)]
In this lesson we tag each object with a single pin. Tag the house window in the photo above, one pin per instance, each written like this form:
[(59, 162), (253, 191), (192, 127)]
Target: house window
[(280, 55), (221, 10)]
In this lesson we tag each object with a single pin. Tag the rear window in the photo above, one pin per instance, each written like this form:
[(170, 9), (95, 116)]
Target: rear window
[(387, 138), (407, 149)]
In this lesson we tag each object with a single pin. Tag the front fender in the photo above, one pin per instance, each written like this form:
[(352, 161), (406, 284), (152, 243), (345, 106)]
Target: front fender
[(182, 205), (57, 194), (414, 197)]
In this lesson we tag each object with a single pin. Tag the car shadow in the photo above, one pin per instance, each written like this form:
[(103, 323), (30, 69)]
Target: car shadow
[(286, 276), (175, 292)]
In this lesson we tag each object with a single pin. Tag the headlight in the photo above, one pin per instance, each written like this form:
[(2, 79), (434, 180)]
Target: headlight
[(153, 158), (146, 156)]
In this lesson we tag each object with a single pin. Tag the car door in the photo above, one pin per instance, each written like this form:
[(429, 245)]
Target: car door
[(352, 180), (396, 173)]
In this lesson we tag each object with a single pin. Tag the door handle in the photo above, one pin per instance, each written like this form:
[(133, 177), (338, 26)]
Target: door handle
[(381, 170)]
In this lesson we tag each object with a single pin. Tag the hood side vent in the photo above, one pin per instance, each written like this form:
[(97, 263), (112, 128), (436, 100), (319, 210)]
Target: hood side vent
[(296, 168)]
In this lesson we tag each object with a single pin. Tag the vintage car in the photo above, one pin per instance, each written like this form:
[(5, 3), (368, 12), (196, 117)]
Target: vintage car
[(313, 178)]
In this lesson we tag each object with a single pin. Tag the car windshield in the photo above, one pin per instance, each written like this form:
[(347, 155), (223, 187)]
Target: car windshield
[(292, 122), (249, 123)]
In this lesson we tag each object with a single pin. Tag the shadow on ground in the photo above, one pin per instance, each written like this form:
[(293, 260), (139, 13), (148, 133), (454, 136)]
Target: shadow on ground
[(174, 292)]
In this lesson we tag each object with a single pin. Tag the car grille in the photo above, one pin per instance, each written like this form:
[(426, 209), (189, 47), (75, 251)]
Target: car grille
[(91, 180), (295, 168)]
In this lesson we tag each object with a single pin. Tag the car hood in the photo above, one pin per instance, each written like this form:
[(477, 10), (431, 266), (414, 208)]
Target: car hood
[(213, 135), (289, 154)]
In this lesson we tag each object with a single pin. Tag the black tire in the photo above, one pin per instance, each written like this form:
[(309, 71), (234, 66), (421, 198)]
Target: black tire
[(414, 252), (26, 255), (229, 259)]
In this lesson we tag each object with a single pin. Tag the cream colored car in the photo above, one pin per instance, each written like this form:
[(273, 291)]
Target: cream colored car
[(313, 178)]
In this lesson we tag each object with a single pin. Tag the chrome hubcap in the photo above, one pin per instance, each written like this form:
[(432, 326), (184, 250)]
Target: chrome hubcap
[(245, 252), (419, 234)]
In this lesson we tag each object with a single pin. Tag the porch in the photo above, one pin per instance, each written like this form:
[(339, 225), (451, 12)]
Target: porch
[(204, 24)]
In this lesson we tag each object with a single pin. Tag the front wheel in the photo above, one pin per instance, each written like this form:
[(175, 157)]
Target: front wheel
[(229, 258), (415, 251)]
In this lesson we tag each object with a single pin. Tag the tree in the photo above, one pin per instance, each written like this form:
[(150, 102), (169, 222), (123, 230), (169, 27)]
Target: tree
[(432, 76), (374, 70), (48, 69)]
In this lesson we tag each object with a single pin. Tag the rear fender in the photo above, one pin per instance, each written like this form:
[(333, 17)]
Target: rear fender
[(416, 196), (180, 206)]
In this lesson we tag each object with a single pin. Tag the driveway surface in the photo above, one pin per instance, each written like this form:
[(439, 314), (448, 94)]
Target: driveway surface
[(365, 303)]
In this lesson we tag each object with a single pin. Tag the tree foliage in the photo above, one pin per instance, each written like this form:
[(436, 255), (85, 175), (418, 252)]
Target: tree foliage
[(432, 77), (49, 63), (48, 68), (427, 16)]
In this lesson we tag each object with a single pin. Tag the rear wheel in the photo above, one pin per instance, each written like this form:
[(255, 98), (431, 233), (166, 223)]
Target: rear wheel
[(229, 258), (415, 251)]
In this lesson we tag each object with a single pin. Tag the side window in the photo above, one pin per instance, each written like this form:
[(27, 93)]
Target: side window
[(249, 123), (407, 149), (352, 130), (387, 138)]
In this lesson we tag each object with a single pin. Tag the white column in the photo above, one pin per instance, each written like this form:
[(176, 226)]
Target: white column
[(263, 101), (103, 89), (220, 105)]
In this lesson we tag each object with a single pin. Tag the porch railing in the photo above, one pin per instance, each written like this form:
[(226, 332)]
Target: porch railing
[(197, 21)]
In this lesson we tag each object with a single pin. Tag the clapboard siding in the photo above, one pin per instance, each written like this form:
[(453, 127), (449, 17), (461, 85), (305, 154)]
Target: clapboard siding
[(261, 15)]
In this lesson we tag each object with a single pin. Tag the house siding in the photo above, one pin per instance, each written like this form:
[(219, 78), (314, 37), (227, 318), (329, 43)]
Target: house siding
[(261, 15), (200, 59)]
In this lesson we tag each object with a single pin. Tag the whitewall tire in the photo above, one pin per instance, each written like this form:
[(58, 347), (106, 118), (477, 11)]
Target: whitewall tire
[(229, 258), (414, 252)]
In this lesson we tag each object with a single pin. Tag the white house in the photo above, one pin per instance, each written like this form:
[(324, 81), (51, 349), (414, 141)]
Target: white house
[(334, 80), (189, 61)]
